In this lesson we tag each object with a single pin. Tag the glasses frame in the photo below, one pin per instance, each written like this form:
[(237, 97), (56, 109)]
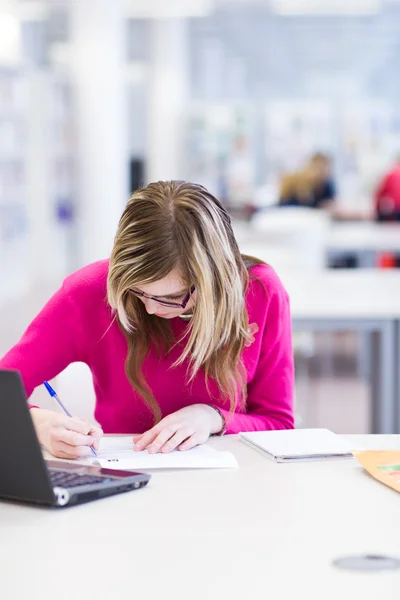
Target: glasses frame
[(182, 304)]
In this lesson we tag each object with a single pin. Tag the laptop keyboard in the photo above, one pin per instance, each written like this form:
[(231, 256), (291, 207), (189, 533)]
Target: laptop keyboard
[(64, 479)]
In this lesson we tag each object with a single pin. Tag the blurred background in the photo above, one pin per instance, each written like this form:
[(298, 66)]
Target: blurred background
[(287, 110)]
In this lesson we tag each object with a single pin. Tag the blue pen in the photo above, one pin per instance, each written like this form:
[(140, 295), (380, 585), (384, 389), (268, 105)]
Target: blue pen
[(53, 394)]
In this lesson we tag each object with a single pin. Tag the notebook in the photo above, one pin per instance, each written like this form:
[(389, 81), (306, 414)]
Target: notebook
[(116, 452), (293, 445)]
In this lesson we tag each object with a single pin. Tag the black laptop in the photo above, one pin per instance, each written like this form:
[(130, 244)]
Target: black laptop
[(24, 474)]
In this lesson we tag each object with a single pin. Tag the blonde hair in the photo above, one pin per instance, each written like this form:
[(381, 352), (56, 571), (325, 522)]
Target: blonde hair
[(177, 224)]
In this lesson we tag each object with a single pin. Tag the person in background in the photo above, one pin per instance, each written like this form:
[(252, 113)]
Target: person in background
[(387, 195), (184, 336), (312, 186)]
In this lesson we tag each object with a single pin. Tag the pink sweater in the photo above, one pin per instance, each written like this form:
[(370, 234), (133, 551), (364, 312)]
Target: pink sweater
[(74, 326)]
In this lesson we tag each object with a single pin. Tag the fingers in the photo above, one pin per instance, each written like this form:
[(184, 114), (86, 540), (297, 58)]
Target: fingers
[(96, 431), (96, 434), (183, 429), (61, 454), (69, 437), (63, 450), (162, 437), (96, 444), (164, 440), (158, 439), (72, 438), (77, 425), (176, 440), (189, 443), (147, 438), (81, 427)]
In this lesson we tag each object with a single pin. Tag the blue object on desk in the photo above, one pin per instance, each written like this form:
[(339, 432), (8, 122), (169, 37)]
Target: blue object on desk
[(53, 394)]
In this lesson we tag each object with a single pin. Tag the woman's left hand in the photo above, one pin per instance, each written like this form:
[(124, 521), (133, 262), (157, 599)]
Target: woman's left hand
[(182, 429)]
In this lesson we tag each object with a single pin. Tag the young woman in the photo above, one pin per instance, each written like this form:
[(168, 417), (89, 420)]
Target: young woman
[(185, 337)]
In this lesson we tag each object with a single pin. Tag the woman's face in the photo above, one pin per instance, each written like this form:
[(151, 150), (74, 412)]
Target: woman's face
[(169, 289)]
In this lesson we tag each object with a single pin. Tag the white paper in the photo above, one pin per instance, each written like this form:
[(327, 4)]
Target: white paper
[(118, 453), (299, 444)]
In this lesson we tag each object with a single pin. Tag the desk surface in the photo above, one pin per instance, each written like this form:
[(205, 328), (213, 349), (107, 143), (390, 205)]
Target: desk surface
[(364, 236), (262, 531), (343, 293), (353, 236)]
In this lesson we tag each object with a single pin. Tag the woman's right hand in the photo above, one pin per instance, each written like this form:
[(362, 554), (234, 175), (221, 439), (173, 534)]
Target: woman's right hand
[(64, 437)]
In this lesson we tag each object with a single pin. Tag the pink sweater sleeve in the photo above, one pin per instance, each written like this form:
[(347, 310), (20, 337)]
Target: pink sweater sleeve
[(270, 393), (50, 343)]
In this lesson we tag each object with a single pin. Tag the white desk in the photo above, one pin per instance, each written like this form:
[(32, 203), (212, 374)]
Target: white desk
[(365, 301), (365, 240), (262, 531), (344, 293)]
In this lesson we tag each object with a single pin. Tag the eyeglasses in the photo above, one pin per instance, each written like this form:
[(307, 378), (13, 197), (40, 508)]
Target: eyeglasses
[(165, 302)]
